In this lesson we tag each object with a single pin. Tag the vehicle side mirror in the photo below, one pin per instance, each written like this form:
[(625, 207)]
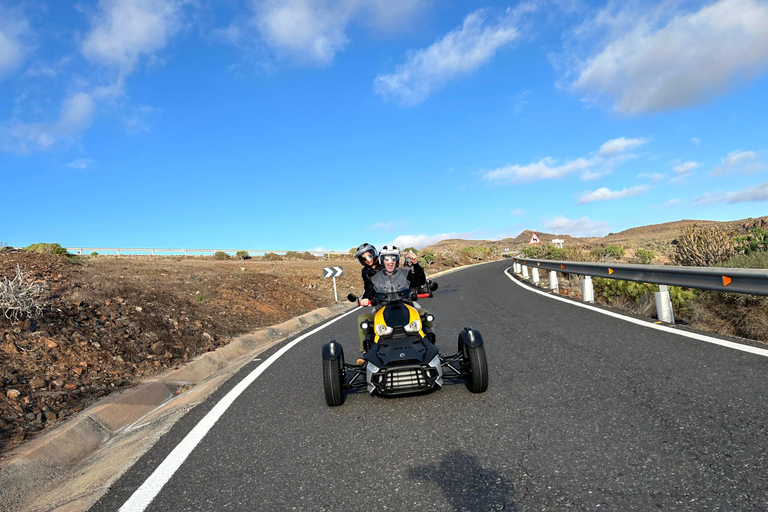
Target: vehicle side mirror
[(352, 297), (432, 285)]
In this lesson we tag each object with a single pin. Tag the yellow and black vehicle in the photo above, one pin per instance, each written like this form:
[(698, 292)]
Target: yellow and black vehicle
[(401, 356)]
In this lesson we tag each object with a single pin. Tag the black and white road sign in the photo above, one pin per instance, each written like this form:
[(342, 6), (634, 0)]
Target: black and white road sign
[(332, 272)]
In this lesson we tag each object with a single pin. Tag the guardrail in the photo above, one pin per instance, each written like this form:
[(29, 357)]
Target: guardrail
[(734, 280), (187, 252)]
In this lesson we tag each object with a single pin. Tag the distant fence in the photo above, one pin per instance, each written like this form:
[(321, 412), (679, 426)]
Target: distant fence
[(190, 252)]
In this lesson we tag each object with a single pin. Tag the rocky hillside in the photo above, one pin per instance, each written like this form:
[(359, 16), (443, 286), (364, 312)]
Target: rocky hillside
[(658, 237)]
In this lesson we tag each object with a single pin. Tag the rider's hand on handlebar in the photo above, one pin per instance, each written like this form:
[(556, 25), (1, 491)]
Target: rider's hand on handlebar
[(365, 302)]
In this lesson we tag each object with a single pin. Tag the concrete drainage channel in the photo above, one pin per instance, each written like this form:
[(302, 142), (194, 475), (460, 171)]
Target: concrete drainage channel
[(72, 466)]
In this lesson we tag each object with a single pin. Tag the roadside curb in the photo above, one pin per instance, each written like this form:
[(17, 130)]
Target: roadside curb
[(33, 466)]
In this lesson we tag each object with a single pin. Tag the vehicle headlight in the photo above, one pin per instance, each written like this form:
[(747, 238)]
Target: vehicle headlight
[(364, 325), (430, 317), (383, 330), (414, 326)]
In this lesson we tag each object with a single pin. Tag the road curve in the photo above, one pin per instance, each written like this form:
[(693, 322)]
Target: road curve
[(583, 411)]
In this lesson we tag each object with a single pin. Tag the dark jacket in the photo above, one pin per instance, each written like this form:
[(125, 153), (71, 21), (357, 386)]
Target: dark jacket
[(416, 276), (368, 273)]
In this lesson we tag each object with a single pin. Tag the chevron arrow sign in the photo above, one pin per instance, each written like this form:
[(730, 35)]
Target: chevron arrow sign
[(332, 271)]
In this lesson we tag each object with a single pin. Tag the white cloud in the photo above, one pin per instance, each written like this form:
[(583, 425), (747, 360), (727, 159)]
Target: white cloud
[(139, 119), (620, 145), (76, 115), (752, 193), (460, 52), (419, 241), (739, 162), (686, 167), (124, 30), (80, 163), (671, 203), (14, 29), (314, 31), (696, 141), (590, 167), (578, 227), (669, 60), (606, 194)]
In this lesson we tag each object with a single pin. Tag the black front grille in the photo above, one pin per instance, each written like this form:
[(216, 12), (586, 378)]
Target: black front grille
[(406, 378)]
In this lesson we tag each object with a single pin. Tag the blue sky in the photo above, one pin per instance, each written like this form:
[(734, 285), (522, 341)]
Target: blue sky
[(300, 124)]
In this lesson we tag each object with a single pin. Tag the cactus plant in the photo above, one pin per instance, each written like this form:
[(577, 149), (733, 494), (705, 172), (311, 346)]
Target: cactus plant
[(703, 247)]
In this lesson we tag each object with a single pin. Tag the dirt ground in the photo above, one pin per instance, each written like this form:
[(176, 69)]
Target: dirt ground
[(112, 321)]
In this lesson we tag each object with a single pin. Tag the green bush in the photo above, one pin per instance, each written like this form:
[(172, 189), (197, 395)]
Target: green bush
[(94, 253), (645, 256), (757, 259), (292, 255), (614, 251), (270, 256), (555, 253), (199, 297), (475, 253), (611, 290), (47, 248), (308, 256), (535, 251), (243, 255), (755, 241), (220, 255), (428, 257), (410, 249)]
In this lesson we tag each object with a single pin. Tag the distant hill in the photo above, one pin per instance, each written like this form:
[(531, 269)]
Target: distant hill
[(658, 237)]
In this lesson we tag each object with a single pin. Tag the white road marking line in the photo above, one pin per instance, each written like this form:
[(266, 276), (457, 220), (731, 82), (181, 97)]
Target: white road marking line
[(701, 337), (144, 495)]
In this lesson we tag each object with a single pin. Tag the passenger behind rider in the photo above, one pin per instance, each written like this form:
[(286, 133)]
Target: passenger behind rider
[(369, 259)]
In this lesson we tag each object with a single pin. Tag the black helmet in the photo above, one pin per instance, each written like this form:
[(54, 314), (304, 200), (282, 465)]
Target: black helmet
[(364, 248), (390, 250)]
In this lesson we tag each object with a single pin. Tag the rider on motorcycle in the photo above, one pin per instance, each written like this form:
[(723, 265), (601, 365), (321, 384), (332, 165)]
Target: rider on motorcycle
[(369, 259)]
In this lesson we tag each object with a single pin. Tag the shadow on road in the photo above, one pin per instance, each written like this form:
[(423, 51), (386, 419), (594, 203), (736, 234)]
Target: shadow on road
[(466, 484)]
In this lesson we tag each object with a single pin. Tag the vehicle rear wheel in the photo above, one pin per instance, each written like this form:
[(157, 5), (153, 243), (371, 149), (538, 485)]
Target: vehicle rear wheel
[(333, 381), (477, 374)]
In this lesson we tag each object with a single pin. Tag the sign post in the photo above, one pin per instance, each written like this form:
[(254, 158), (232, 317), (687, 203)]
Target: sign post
[(333, 272)]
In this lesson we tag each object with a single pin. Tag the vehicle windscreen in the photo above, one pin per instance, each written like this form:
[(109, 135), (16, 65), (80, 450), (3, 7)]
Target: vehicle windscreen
[(383, 283)]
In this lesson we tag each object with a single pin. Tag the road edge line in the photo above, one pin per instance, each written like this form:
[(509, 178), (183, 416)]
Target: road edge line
[(143, 496), (645, 323)]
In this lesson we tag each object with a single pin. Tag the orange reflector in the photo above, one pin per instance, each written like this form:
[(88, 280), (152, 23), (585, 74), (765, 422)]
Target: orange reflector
[(525, 263), (610, 271), (726, 280), (538, 264), (562, 266)]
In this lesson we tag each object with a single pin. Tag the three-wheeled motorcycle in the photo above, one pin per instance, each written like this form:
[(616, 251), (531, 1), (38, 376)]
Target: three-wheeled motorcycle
[(401, 354)]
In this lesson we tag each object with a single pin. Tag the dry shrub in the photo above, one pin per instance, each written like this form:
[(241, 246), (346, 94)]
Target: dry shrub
[(21, 298), (733, 314)]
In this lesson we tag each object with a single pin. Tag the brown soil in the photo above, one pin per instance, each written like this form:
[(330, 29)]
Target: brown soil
[(112, 321)]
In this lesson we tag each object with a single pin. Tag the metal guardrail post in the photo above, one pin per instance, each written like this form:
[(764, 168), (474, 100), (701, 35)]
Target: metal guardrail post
[(553, 281), (664, 309), (525, 271), (587, 290), (535, 275)]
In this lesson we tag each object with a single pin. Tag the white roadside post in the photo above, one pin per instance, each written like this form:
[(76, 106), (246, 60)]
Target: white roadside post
[(664, 308), (525, 271), (333, 272), (587, 291), (553, 281), (535, 274)]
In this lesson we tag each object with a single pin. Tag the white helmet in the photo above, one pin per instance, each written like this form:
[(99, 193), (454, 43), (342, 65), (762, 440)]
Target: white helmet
[(390, 250)]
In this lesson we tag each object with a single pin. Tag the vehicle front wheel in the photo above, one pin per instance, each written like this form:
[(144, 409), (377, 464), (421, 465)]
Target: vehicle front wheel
[(477, 374), (333, 381)]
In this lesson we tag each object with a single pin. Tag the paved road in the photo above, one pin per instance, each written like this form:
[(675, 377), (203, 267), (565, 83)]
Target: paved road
[(584, 411)]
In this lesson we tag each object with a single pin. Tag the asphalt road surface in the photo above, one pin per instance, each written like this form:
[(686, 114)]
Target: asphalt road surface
[(583, 412)]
